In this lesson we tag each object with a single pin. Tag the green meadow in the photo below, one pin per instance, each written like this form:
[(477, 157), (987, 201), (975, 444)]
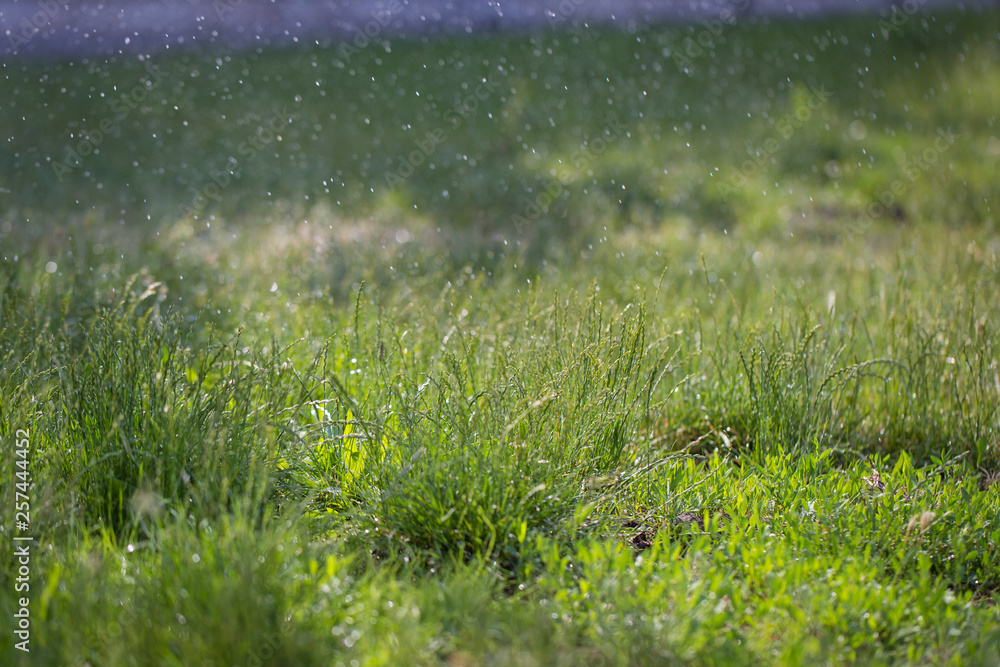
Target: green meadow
[(647, 345)]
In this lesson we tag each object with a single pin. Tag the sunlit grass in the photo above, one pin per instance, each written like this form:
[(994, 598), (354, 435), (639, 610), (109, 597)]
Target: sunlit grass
[(661, 423)]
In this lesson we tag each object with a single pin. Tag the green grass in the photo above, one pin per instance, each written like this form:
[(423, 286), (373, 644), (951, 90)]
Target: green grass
[(324, 419)]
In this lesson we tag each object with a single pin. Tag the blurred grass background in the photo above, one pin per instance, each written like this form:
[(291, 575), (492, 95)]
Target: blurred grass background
[(346, 123)]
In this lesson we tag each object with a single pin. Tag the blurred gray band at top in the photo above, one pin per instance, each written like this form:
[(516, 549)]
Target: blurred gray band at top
[(54, 29)]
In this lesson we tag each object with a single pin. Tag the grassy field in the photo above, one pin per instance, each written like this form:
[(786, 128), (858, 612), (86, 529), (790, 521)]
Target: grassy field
[(649, 346)]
